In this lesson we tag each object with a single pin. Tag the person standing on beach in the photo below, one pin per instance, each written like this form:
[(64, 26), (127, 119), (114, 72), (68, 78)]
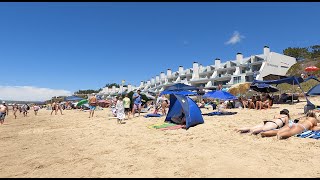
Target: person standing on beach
[(59, 107), (92, 104), (4, 110), (15, 108), (136, 102), (126, 104), (54, 108), (120, 110), (25, 109), (36, 109)]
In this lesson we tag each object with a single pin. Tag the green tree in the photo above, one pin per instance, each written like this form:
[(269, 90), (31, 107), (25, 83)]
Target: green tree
[(88, 91), (109, 85), (315, 51), (298, 53)]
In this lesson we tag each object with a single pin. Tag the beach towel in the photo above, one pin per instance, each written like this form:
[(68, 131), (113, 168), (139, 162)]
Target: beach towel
[(152, 115), (162, 125), (172, 127), (309, 134), (220, 113)]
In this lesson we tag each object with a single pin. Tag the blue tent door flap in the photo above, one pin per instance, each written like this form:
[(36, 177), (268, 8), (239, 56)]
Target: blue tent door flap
[(183, 103)]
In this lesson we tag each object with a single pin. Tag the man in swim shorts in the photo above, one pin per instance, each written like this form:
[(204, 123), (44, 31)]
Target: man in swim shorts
[(92, 104), (136, 102), (4, 110)]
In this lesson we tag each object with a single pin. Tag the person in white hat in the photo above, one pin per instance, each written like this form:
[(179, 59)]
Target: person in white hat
[(4, 110)]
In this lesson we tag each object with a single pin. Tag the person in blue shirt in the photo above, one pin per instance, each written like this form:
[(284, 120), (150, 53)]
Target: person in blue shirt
[(136, 102)]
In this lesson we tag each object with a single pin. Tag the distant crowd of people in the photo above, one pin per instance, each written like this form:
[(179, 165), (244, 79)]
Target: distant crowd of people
[(23, 109), (258, 102)]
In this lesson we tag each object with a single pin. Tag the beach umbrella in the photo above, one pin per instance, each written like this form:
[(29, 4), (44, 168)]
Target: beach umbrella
[(221, 95), (314, 91), (82, 102), (185, 93), (239, 88), (262, 87), (311, 68), (181, 87), (73, 98)]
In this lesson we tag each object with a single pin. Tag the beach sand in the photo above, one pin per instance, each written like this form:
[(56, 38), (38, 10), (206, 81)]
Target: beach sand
[(72, 145)]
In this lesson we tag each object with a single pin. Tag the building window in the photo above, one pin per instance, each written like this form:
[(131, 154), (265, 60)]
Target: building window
[(236, 79)]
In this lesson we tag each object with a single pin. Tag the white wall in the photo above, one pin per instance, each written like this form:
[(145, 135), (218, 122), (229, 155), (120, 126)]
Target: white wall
[(274, 63)]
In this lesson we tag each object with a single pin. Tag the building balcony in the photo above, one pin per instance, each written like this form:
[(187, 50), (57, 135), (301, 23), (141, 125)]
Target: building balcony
[(200, 80), (223, 77)]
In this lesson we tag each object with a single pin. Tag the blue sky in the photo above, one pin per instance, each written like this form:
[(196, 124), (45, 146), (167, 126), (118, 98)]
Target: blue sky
[(71, 46)]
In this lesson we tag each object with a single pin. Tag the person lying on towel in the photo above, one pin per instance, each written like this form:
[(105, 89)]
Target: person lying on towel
[(309, 122), (278, 122)]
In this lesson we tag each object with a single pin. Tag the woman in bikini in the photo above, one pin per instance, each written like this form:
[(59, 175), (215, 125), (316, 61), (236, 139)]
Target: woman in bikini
[(299, 125), (252, 103), (310, 122), (278, 122)]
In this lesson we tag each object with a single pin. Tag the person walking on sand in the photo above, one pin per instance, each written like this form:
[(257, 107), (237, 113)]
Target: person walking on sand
[(54, 107), (59, 107), (126, 105), (4, 110), (136, 102), (25, 108), (15, 108), (92, 104), (36, 109)]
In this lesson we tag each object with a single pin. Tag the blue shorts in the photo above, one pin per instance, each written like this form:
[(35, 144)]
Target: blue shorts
[(2, 116), (92, 108), (136, 106)]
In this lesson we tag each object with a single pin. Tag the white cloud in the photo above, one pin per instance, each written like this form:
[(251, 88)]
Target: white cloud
[(29, 93), (236, 38)]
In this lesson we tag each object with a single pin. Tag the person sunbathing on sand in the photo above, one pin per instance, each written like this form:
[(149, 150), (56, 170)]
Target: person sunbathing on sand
[(309, 122), (278, 122)]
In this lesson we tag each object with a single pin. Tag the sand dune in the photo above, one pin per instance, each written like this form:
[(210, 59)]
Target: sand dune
[(72, 145)]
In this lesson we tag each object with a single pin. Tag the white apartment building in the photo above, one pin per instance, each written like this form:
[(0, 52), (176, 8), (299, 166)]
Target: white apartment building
[(265, 66)]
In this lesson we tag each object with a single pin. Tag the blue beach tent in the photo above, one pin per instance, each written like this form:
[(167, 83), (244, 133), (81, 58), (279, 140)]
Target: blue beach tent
[(314, 91), (192, 112)]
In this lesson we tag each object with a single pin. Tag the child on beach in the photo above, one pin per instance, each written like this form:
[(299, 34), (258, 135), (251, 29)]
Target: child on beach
[(126, 104), (120, 110)]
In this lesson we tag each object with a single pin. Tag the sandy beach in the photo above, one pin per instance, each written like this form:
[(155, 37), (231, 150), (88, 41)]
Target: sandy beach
[(72, 145)]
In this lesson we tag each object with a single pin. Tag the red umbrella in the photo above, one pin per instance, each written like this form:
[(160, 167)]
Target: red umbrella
[(311, 68)]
